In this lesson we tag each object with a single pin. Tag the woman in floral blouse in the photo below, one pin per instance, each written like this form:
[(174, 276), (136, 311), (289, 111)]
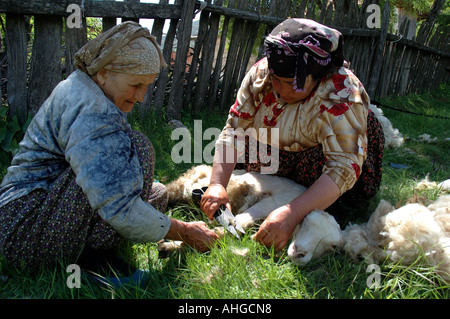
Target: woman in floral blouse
[(82, 181), (303, 101)]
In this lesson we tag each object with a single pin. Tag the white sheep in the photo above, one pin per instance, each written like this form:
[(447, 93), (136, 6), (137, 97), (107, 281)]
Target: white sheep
[(399, 235), (252, 196), (317, 234)]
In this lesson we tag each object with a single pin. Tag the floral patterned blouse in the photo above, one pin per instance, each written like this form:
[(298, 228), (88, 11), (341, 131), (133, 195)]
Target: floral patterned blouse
[(334, 115), (78, 126)]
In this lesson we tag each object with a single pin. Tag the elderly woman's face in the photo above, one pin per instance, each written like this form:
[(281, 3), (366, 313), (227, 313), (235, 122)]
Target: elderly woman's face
[(285, 88), (124, 90)]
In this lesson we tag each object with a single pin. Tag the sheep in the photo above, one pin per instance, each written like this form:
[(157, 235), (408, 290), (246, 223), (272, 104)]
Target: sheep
[(398, 235), (317, 234), (252, 196), (393, 138)]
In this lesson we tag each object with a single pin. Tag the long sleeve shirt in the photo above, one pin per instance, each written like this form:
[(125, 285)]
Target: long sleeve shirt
[(78, 126), (334, 115)]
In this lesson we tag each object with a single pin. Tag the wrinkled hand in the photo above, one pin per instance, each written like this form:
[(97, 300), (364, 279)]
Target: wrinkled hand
[(194, 234), (199, 236), (277, 229), (214, 196)]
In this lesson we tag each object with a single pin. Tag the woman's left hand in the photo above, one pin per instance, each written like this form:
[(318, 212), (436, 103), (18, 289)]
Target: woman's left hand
[(277, 229)]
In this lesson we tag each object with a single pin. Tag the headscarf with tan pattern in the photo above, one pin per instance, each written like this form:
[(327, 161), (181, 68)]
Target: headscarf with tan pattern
[(125, 48)]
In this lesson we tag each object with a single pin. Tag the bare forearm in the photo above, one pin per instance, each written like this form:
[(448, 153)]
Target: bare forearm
[(176, 230), (224, 162), (320, 195)]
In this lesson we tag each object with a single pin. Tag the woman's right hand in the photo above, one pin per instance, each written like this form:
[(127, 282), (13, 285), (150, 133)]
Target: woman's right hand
[(214, 196), (195, 234)]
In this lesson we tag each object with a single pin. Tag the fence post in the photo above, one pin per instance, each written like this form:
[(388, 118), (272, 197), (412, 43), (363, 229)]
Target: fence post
[(427, 26), (45, 71), (16, 46), (378, 59), (75, 39), (184, 35)]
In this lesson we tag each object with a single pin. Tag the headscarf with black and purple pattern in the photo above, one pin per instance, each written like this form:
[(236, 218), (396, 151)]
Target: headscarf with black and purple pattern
[(290, 45)]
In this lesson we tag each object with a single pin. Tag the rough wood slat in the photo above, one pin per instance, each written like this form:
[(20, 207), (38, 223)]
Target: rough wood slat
[(157, 32), (184, 36), (198, 48), (163, 77), (232, 58), (16, 44), (377, 63), (93, 8), (212, 96), (205, 68), (75, 38), (46, 56)]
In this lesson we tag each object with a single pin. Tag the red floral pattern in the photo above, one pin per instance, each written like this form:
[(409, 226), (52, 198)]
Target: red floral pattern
[(269, 99), (338, 81), (271, 122), (235, 112), (336, 110)]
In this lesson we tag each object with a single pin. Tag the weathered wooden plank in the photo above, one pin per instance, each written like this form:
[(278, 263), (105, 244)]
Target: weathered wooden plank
[(157, 32), (184, 35), (16, 45), (163, 77), (417, 45), (135, 19), (205, 69), (405, 71), (75, 38), (377, 64), (427, 27), (212, 96), (93, 8), (45, 70), (199, 43), (232, 58)]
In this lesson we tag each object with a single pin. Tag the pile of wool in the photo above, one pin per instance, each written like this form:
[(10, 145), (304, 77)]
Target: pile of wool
[(393, 137), (404, 234)]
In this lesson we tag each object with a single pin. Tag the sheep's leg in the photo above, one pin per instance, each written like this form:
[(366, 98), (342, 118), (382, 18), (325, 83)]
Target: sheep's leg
[(168, 247), (263, 208), (258, 211)]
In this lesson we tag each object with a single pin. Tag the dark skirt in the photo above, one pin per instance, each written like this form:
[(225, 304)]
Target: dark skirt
[(45, 225), (307, 166)]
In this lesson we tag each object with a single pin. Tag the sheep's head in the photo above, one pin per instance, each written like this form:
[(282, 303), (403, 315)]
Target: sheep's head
[(319, 232)]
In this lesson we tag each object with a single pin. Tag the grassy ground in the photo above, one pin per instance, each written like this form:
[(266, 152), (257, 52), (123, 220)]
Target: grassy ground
[(223, 274)]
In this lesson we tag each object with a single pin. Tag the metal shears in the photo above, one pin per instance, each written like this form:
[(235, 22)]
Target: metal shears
[(222, 215)]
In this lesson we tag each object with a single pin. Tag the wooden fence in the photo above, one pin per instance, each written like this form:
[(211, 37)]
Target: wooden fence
[(229, 34)]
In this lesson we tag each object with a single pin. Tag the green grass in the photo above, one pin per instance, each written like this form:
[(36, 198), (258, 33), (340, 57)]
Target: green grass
[(261, 274)]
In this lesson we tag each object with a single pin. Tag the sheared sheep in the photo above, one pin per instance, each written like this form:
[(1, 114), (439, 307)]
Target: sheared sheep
[(399, 235), (252, 196), (317, 234)]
